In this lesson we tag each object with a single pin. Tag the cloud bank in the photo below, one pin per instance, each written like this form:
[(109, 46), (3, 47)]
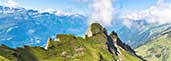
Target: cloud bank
[(101, 12), (160, 13), (11, 3)]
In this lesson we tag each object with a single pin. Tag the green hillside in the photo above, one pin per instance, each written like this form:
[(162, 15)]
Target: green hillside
[(96, 46), (157, 49)]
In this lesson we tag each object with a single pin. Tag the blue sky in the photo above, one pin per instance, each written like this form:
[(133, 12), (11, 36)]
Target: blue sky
[(81, 6)]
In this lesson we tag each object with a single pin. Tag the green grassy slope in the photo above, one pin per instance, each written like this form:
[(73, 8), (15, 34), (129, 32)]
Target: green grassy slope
[(158, 49), (3, 59)]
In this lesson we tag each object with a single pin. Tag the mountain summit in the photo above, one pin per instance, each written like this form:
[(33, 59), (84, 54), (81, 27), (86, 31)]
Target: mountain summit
[(94, 29), (96, 46)]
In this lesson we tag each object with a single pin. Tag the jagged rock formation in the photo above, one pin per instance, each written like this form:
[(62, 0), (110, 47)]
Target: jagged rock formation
[(96, 46), (94, 29)]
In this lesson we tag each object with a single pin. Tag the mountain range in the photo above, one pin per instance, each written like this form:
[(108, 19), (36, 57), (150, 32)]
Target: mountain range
[(31, 35), (97, 45), (35, 27), (31, 27)]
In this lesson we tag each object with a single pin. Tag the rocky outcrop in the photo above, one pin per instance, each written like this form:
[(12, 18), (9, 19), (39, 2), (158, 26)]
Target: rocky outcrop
[(94, 29), (113, 43), (48, 43), (119, 44), (112, 40)]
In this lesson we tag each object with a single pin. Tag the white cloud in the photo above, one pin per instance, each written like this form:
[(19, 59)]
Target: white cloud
[(11, 3), (61, 13), (127, 23), (81, 0), (48, 10), (102, 11), (0, 2), (57, 12), (159, 14)]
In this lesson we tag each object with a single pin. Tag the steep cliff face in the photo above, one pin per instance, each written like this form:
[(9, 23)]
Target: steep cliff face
[(96, 46)]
